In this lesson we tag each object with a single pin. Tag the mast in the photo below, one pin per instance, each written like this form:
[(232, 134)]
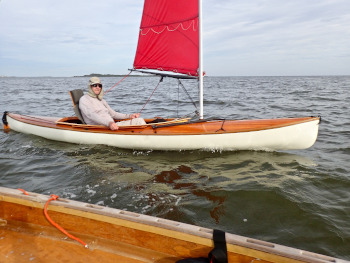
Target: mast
[(200, 70)]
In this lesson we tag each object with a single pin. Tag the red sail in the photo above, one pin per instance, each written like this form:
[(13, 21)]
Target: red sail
[(169, 37)]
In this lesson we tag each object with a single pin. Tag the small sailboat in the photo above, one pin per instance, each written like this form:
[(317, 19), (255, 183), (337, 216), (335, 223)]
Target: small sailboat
[(170, 44), (102, 234)]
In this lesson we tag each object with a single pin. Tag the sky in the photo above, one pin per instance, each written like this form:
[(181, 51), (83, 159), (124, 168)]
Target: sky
[(240, 38)]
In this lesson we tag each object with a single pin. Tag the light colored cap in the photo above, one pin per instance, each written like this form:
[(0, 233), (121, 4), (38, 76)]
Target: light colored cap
[(94, 80)]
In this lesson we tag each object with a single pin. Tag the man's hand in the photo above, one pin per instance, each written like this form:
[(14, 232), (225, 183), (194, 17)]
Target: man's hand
[(113, 126), (134, 115)]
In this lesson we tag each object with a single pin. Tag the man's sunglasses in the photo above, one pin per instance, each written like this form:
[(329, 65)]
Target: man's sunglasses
[(97, 85)]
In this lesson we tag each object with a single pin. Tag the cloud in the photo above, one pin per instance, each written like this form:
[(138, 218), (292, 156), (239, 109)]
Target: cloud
[(50, 33), (275, 33), (261, 37)]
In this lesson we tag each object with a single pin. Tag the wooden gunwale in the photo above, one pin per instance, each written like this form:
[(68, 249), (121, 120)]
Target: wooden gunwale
[(182, 127), (137, 237)]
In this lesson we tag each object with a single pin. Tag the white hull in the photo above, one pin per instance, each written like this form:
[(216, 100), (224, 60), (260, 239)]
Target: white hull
[(298, 136)]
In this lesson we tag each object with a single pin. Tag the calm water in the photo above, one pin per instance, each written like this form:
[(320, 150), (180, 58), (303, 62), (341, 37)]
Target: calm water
[(299, 199)]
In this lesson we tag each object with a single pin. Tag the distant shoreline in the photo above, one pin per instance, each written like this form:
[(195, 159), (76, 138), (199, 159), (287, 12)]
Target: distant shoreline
[(84, 76)]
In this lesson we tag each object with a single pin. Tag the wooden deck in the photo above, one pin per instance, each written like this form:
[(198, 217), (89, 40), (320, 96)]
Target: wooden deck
[(114, 235)]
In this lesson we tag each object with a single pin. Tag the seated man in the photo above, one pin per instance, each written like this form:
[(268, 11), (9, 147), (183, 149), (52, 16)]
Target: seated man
[(96, 111)]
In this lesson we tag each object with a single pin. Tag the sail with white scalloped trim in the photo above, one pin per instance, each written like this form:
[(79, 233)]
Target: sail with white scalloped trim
[(169, 37)]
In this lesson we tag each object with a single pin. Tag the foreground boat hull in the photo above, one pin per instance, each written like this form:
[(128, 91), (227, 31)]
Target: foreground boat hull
[(222, 135), (114, 235)]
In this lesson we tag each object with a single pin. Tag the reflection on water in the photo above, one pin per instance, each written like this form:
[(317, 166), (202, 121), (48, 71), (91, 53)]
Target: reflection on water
[(173, 177)]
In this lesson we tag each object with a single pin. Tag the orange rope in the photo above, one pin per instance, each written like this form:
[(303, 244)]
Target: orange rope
[(118, 82), (23, 191), (55, 197)]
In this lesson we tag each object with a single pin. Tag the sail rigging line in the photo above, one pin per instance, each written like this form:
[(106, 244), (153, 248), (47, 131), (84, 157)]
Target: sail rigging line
[(118, 82), (188, 95), (161, 79), (222, 126)]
